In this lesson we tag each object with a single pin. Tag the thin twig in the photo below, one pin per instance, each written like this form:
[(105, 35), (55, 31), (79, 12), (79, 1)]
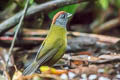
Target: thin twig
[(48, 6), (17, 29)]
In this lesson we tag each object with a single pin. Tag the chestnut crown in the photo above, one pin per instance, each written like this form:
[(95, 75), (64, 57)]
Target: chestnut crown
[(61, 18)]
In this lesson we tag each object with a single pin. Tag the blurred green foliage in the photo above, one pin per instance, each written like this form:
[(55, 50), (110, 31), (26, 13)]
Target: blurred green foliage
[(5, 3), (117, 3), (22, 3), (31, 2), (104, 3), (70, 9)]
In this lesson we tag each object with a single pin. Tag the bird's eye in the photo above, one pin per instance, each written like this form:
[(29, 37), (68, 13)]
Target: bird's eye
[(63, 16)]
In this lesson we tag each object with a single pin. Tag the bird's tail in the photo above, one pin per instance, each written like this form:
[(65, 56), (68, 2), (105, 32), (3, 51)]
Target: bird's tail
[(31, 68), (36, 63)]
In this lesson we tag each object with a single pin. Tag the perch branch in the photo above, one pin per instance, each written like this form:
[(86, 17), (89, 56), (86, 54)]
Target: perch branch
[(12, 21)]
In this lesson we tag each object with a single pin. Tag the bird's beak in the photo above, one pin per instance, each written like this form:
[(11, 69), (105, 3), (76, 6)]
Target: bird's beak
[(69, 15)]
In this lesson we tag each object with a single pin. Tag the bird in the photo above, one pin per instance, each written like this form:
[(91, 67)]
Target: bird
[(54, 45)]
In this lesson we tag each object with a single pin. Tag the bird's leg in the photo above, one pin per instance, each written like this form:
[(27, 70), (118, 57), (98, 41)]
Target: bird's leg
[(69, 61)]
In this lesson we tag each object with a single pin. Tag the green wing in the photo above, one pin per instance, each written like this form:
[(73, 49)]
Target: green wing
[(39, 61), (49, 48), (44, 54)]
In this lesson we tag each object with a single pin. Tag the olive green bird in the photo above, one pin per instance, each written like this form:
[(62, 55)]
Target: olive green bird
[(54, 46)]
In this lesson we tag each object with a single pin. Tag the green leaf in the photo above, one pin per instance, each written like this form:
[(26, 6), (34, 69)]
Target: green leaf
[(31, 1), (104, 4), (70, 9), (117, 3)]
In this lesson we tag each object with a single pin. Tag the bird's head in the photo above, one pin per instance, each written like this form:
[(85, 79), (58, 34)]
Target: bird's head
[(61, 18)]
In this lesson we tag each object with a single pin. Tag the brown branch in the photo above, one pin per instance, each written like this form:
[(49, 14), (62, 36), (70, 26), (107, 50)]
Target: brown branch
[(30, 39), (37, 32), (102, 38), (106, 26), (106, 59), (12, 21), (96, 60)]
